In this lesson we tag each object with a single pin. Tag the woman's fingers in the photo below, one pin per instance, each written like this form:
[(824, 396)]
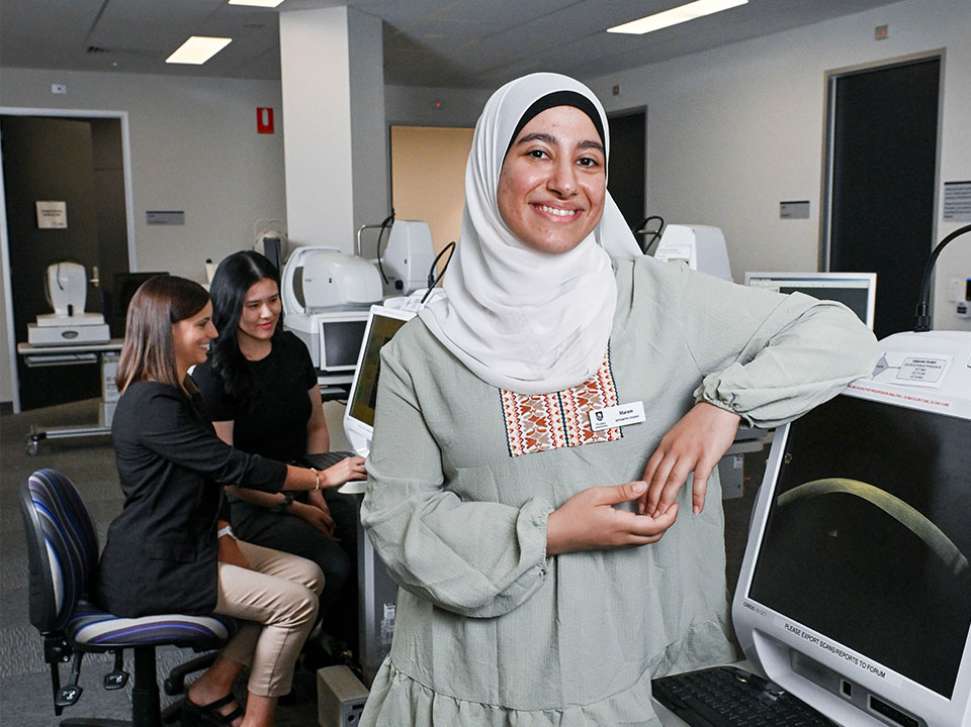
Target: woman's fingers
[(699, 486), (655, 486), (644, 526)]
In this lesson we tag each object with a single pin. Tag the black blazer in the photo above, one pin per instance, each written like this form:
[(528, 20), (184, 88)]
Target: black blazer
[(161, 553)]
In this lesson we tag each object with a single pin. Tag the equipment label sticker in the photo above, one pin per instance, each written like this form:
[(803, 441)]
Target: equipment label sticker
[(912, 369)]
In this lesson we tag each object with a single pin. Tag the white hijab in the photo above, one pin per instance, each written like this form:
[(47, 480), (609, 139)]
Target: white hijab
[(519, 319)]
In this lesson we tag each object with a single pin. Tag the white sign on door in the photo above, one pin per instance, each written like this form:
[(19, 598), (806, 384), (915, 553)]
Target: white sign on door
[(51, 215)]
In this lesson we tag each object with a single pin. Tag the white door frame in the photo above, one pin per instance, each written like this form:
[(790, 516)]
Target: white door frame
[(4, 241)]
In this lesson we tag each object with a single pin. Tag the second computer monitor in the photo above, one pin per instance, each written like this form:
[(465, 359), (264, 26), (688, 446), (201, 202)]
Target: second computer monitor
[(382, 324), (857, 291)]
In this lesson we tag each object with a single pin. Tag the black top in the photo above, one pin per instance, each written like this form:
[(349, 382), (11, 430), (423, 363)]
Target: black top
[(161, 551), (274, 422)]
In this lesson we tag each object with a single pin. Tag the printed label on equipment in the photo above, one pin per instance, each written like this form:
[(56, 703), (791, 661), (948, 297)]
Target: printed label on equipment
[(617, 416), (912, 369)]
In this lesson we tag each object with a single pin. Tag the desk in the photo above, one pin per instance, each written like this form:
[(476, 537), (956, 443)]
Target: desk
[(70, 355)]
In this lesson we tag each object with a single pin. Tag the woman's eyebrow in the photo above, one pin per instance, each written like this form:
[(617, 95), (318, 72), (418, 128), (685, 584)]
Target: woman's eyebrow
[(538, 136), (590, 145)]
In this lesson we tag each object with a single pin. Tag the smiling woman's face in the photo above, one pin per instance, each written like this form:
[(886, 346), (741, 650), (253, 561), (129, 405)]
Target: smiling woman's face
[(553, 181)]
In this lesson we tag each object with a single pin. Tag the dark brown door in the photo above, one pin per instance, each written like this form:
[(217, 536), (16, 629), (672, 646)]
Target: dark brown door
[(49, 160)]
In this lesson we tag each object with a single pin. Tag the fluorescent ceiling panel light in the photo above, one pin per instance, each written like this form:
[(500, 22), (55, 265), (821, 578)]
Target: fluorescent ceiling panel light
[(198, 49), (257, 3), (680, 14)]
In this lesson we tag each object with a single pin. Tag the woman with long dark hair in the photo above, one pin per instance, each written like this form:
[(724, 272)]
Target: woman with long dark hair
[(260, 391), (165, 552)]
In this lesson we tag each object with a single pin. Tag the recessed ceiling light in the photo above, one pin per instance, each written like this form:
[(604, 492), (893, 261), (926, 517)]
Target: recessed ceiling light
[(257, 3), (198, 49), (680, 14)]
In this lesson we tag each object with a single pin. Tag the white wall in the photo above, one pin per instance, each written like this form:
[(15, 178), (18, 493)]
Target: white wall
[(416, 105), (194, 147), (734, 131)]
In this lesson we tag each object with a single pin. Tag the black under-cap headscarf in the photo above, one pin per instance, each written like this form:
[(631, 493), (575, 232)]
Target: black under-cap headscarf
[(560, 98)]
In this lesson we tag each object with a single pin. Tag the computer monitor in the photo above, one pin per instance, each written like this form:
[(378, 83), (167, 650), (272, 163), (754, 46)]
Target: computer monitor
[(340, 335), (857, 291), (382, 324), (855, 590)]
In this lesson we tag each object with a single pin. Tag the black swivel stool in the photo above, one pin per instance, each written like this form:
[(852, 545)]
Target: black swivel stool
[(62, 549)]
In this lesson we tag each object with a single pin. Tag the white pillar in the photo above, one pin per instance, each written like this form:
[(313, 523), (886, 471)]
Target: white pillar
[(334, 135)]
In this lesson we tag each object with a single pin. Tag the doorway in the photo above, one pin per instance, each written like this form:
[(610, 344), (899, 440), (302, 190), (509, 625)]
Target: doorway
[(882, 172), (83, 162), (428, 177), (626, 176)]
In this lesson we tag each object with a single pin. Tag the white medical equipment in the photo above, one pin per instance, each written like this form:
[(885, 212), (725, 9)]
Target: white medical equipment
[(408, 256), (855, 590), (857, 291), (326, 295), (66, 289), (700, 247)]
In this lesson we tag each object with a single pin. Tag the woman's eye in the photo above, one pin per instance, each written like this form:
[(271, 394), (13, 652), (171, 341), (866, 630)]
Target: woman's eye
[(589, 162), (537, 154)]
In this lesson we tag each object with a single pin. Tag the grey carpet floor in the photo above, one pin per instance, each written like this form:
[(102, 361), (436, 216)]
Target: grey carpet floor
[(25, 697)]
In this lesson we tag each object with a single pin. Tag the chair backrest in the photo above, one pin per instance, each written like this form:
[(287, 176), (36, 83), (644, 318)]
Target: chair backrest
[(62, 547)]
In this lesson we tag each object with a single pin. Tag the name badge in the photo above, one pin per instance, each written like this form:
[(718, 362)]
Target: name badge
[(617, 416)]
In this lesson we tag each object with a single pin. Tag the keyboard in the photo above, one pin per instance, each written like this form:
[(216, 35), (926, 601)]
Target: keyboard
[(728, 697)]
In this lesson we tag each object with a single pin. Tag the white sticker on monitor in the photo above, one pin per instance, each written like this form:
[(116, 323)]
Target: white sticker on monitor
[(926, 370)]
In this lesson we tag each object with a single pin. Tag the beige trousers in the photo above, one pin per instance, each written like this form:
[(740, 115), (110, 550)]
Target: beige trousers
[(278, 597)]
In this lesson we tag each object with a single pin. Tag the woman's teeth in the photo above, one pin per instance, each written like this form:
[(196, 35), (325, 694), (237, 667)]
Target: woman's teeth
[(556, 211)]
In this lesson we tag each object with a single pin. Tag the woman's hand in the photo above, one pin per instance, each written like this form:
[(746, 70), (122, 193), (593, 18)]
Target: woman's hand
[(589, 521), (693, 445), (315, 514), (350, 468), (229, 552)]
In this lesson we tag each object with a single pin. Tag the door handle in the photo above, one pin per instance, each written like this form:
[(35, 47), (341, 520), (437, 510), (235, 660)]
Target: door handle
[(95, 280)]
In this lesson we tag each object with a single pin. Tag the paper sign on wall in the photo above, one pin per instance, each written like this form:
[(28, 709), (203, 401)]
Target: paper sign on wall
[(51, 215)]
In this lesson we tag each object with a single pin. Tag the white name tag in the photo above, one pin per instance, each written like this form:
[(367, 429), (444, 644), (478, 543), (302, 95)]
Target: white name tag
[(617, 416)]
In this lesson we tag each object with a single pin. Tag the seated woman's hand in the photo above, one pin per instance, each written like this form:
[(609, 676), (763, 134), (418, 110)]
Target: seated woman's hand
[(316, 512), (349, 468), (693, 446), (589, 521), (229, 552)]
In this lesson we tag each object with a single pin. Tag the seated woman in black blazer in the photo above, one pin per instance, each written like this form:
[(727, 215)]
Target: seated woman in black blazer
[(166, 552), (260, 390)]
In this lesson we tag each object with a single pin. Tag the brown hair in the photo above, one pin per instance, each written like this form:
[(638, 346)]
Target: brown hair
[(149, 353)]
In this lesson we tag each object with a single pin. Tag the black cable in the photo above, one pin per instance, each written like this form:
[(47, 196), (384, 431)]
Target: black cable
[(655, 234), (388, 221), (922, 322), (432, 280)]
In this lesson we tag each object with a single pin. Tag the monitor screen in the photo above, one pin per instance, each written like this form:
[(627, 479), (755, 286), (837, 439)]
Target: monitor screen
[(341, 343), (382, 330), (867, 541), (853, 292)]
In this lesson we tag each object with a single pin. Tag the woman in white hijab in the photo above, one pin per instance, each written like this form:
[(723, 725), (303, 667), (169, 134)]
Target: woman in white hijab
[(562, 376)]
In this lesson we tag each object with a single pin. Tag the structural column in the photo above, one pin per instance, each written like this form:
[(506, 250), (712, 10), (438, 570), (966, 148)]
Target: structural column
[(334, 135)]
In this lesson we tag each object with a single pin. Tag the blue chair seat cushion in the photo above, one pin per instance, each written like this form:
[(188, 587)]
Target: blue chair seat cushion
[(93, 627)]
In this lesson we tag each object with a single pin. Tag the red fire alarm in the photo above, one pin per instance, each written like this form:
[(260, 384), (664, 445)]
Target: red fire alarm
[(264, 120)]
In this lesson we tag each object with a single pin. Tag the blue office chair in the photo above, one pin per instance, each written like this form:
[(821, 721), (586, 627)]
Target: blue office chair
[(62, 550)]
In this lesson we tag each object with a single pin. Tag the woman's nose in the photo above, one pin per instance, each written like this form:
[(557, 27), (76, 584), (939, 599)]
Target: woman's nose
[(211, 330), (563, 181)]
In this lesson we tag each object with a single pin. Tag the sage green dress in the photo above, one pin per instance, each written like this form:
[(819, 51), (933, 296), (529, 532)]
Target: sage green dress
[(489, 630)]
